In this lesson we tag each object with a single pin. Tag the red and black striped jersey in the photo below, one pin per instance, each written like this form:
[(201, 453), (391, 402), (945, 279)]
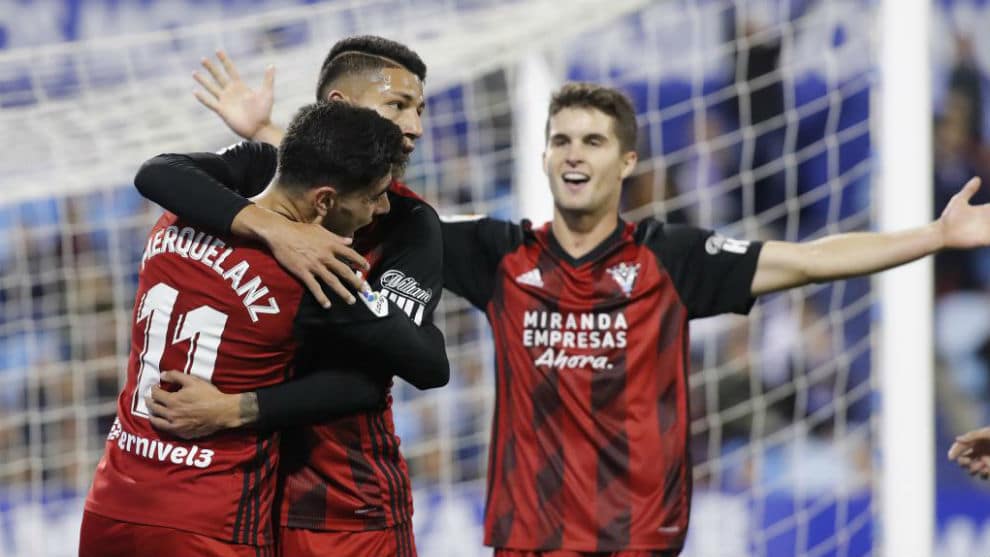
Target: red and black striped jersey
[(589, 447), (348, 473), (224, 310)]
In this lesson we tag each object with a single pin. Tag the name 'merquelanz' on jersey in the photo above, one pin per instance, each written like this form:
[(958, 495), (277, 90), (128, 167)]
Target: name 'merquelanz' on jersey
[(223, 310), (589, 445)]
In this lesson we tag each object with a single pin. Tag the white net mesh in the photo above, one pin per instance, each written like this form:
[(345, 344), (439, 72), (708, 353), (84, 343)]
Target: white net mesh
[(754, 119)]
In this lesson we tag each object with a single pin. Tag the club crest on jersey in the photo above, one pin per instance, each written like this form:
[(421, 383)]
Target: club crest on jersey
[(624, 275), (717, 243), (531, 277)]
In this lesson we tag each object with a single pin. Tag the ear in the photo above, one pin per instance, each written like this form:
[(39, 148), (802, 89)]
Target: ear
[(323, 199), (629, 159), (336, 95), (546, 164)]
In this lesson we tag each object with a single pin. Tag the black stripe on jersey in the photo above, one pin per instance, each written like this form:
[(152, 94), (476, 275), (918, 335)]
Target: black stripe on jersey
[(261, 458), (400, 508), (613, 504), (363, 473), (245, 535), (402, 480), (256, 500), (400, 546), (500, 464), (407, 544), (686, 447), (241, 508), (252, 499), (266, 468), (377, 447)]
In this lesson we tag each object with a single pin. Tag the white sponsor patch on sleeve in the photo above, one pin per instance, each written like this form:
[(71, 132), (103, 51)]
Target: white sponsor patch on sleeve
[(376, 302), (461, 218), (717, 243)]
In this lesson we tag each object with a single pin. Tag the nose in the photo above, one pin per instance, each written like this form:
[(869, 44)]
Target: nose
[(412, 125), (574, 155)]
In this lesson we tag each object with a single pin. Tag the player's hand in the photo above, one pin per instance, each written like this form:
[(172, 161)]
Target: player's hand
[(972, 452), (195, 410), (313, 255), (246, 111), (308, 251), (964, 225)]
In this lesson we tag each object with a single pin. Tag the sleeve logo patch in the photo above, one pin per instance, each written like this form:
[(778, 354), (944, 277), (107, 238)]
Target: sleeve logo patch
[(717, 243), (376, 302), (396, 281)]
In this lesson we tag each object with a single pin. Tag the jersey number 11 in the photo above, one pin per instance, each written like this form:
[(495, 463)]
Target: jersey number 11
[(202, 327)]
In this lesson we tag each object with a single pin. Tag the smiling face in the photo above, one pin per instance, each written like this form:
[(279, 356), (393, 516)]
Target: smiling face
[(584, 162), (394, 93)]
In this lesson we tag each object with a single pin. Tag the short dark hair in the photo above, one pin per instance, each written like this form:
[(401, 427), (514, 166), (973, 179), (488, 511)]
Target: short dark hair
[(606, 99), (365, 53), (339, 144)]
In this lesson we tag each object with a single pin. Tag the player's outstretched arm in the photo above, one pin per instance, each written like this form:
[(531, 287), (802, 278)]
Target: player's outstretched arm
[(246, 111), (785, 265), (972, 452)]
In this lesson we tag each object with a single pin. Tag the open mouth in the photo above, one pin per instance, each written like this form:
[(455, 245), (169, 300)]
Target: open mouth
[(575, 180)]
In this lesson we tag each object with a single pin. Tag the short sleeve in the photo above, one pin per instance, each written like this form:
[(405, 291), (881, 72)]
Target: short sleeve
[(713, 274), (472, 251)]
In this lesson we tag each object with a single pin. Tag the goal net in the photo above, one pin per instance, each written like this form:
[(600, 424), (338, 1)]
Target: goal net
[(754, 119)]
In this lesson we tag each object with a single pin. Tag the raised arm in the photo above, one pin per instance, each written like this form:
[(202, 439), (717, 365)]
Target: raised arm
[(247, 112), (785, 265)]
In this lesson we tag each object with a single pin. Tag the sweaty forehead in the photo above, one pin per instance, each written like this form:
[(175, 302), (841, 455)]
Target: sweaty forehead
[(382, 81), (399, 80), (578, 121)]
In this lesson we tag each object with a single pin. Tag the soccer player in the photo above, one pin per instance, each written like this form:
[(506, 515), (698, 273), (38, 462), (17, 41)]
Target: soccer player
[(590, 314), (223, 310), (347, 488)]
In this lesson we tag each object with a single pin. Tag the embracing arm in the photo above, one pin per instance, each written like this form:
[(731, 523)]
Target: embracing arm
[(198, 408), (387, 343), (395, 332), (411, 257), (208, 189), (332, 380), (315, 397), (785, 265)]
